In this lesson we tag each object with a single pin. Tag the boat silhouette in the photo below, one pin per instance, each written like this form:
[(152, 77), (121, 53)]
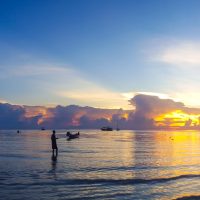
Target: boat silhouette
[(72, 136), (106, 128)]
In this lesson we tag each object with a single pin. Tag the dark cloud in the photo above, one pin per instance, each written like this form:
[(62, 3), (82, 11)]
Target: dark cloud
[(143, 116), (147, 108), (86, 122), (150, 106), (83, 117), (12, 117)]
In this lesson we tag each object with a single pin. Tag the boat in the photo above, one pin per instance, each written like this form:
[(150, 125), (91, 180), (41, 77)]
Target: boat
[(72, 136), (43, 129), (106, 128)]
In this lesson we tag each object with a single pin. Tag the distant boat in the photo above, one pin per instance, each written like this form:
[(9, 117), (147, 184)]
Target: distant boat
[(43, 129), (106, 128)]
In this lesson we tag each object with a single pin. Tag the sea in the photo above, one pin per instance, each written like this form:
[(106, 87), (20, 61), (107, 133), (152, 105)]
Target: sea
[(121, 165)]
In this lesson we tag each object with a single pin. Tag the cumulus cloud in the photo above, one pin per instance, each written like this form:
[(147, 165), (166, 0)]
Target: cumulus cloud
[(82, 117), (72, 116), (148, 112), (151, 111), (13, 116), (150, 106)]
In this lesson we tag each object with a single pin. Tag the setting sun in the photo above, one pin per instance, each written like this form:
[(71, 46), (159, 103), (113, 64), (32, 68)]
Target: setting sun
[(177, 118)]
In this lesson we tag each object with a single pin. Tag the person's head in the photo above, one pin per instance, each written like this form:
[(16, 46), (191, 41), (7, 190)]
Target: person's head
[(54, 131), (68, 133)]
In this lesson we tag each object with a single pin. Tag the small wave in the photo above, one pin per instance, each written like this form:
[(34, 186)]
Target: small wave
[(125, 168), (129, 181), (189, 198), (18, 156), (109, 181)]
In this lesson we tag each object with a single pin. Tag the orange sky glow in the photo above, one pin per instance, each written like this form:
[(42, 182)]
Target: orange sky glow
[(178, 118), (171, 120)]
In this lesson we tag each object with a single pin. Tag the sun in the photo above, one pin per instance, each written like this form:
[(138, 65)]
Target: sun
[(177, 118)]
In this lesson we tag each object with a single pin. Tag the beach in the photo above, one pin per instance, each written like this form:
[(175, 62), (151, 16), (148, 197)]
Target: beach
[(100, 165)]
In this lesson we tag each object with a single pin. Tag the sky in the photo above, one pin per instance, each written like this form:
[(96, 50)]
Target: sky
[(99, 53)]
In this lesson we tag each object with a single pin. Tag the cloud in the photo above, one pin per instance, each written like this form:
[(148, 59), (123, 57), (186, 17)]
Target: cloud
[(130, 95), (191, 97), (82, 117), (31, 70), (177, 52), (147, 108), (148, 112), (3, 101), (150, 106), (13, 117), (37, 70), (152, 112), (73, 116)]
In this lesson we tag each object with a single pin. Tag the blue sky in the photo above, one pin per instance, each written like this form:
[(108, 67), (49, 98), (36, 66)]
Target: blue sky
[(99, 52)]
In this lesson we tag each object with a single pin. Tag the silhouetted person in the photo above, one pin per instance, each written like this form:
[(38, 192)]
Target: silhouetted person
[(53, 142), (18, 131), (68, 133)]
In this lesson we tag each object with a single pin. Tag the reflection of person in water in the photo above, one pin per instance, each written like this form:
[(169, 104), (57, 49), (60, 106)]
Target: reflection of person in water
[(54, 144), (54, 161), (53, 165)]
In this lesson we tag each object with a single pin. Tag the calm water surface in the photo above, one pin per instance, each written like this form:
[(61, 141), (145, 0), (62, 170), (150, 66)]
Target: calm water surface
[(100, 165)]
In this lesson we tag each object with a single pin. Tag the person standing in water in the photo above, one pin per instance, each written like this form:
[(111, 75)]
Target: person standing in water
[(53, 142)]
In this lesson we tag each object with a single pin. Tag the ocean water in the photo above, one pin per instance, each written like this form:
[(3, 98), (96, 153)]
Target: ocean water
[(100, 165)]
